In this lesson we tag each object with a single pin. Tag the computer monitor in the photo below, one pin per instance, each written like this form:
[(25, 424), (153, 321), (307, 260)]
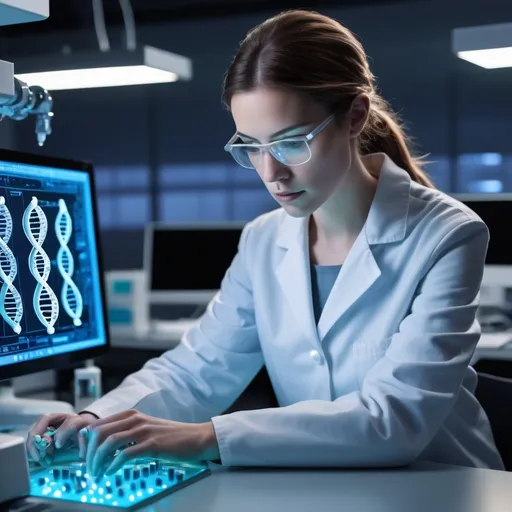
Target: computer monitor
[(185, 263), (52, 312), (496, 211)]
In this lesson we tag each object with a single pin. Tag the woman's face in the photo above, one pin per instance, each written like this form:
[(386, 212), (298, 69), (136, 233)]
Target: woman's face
[(264, 115)]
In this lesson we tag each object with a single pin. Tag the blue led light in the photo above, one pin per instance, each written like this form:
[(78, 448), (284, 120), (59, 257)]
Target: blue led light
[(129, 488)]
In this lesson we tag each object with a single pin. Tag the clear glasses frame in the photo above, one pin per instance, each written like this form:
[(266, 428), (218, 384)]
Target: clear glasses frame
[(273, 147)]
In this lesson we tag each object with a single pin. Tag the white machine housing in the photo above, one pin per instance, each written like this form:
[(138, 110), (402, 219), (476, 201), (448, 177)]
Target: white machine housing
[(14, 464), (14, 12)]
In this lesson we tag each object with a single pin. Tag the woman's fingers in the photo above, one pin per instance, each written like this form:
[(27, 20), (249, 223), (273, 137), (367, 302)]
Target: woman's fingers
[(106, 450), (37, 432), (129, 453), (96, 436)]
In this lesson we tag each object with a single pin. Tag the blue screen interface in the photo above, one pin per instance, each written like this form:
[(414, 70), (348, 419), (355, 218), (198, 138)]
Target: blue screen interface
[(50, 295)]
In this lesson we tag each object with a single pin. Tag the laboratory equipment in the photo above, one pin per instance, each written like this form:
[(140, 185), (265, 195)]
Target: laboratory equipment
[(185, 263), (88, 386), (127, 302), (15, 479), (137, 483), (52, 312), (17, 99)]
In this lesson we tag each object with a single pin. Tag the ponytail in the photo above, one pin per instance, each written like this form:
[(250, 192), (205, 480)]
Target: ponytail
[(384, 134)]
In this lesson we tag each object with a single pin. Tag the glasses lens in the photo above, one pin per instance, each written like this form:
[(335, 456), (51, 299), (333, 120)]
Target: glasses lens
[(291, 152), (245, 156)]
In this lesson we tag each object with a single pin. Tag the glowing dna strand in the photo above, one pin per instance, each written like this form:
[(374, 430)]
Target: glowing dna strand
[(35, 226), (71, 298), (11, 306)]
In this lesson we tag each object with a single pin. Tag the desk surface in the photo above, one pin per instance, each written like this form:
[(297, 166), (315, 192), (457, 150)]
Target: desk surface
[(423, 487)]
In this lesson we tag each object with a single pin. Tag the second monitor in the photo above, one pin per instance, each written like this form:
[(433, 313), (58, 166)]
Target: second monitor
[(186, 263), (495, 210)]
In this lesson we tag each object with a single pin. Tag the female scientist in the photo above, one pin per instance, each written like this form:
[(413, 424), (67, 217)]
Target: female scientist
[(359, 295)]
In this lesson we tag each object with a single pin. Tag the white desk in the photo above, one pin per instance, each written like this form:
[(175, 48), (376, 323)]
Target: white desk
[(423, 487)]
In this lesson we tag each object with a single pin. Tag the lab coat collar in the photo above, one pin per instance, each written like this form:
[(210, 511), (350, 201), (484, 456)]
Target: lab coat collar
[(386, 222)]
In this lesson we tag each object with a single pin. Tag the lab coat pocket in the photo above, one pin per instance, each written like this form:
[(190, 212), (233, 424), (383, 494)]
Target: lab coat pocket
[(366, 353)]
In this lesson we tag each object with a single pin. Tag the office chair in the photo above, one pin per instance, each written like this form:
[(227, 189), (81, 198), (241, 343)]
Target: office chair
[(495, 395)]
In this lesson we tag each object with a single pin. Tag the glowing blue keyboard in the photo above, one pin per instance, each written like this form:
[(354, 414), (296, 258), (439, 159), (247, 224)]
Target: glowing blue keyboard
[(137, 483)]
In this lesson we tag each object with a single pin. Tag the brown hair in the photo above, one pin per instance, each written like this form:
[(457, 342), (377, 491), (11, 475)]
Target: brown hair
[(317, 56)]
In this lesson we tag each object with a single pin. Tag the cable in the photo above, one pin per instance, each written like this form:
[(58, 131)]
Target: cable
[(129, 24), (99, 25)]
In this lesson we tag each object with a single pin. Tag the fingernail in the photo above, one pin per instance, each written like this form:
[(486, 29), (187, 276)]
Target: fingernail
[(84, 432), (48, 460), (37, 438), (58, 444)]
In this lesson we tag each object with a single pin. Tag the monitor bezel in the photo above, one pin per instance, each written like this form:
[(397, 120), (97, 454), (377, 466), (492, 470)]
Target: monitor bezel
[(68, 359), (179, 296)]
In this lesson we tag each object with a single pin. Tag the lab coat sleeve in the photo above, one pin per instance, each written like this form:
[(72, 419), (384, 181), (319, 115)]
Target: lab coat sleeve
[(216, 359), (404, 398)]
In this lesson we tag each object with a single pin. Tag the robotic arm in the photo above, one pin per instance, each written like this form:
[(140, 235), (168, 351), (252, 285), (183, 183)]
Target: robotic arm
[(17, 99)]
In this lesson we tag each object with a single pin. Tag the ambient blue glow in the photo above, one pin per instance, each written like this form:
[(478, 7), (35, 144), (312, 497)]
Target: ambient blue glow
[(131, 487)]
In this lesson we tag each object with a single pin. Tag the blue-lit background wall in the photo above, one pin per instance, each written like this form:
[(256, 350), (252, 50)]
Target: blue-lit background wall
[(158, 150)]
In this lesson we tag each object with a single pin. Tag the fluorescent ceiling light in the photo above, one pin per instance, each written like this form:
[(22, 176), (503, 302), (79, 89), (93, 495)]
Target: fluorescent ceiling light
[(490, 59), (98, 77), (488, 46), (146, 65)]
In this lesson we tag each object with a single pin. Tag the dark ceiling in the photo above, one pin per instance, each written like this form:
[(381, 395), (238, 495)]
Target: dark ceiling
[(76, 14)]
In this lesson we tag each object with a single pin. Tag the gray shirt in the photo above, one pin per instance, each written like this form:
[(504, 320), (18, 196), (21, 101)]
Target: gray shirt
[(323, 278)]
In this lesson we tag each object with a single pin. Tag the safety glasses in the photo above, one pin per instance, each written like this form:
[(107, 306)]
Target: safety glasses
[(291, 152)]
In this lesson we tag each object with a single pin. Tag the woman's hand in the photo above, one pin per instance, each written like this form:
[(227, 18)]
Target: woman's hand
[(137, 435), (65, 444)]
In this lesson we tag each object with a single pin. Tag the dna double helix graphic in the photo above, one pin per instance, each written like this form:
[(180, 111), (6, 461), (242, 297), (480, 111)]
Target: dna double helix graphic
[(11, 306), (35, 226), (71, 298)]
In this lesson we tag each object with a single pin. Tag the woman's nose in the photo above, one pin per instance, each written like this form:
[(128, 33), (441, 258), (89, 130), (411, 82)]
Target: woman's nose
[(271, 169)]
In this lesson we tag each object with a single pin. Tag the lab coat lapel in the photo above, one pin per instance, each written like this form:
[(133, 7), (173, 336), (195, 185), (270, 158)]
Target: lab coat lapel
[(294, 275), (358, 273), (386, 223)]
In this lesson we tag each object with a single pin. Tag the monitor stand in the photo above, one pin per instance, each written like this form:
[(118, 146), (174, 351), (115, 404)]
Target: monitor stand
[(22, 413)]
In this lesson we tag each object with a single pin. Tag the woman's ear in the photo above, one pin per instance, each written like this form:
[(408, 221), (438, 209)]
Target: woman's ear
[(358, 115)]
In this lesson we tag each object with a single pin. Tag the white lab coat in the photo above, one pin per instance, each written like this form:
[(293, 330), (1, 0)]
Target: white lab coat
[(384, 378)]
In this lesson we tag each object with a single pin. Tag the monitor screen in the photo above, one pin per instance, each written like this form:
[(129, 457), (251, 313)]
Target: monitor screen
[(51, 295), (495, 212), (188, 263)]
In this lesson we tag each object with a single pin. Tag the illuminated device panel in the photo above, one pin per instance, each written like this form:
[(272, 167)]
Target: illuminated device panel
[(137, 484)]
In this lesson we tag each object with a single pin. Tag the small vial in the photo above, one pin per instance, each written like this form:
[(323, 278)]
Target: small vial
[(87, 386)]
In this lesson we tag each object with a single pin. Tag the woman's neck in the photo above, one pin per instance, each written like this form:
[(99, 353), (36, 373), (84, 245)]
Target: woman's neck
[(334, 227)]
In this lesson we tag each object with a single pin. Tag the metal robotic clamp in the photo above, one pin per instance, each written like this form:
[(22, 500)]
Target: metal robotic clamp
[(19, 100)]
